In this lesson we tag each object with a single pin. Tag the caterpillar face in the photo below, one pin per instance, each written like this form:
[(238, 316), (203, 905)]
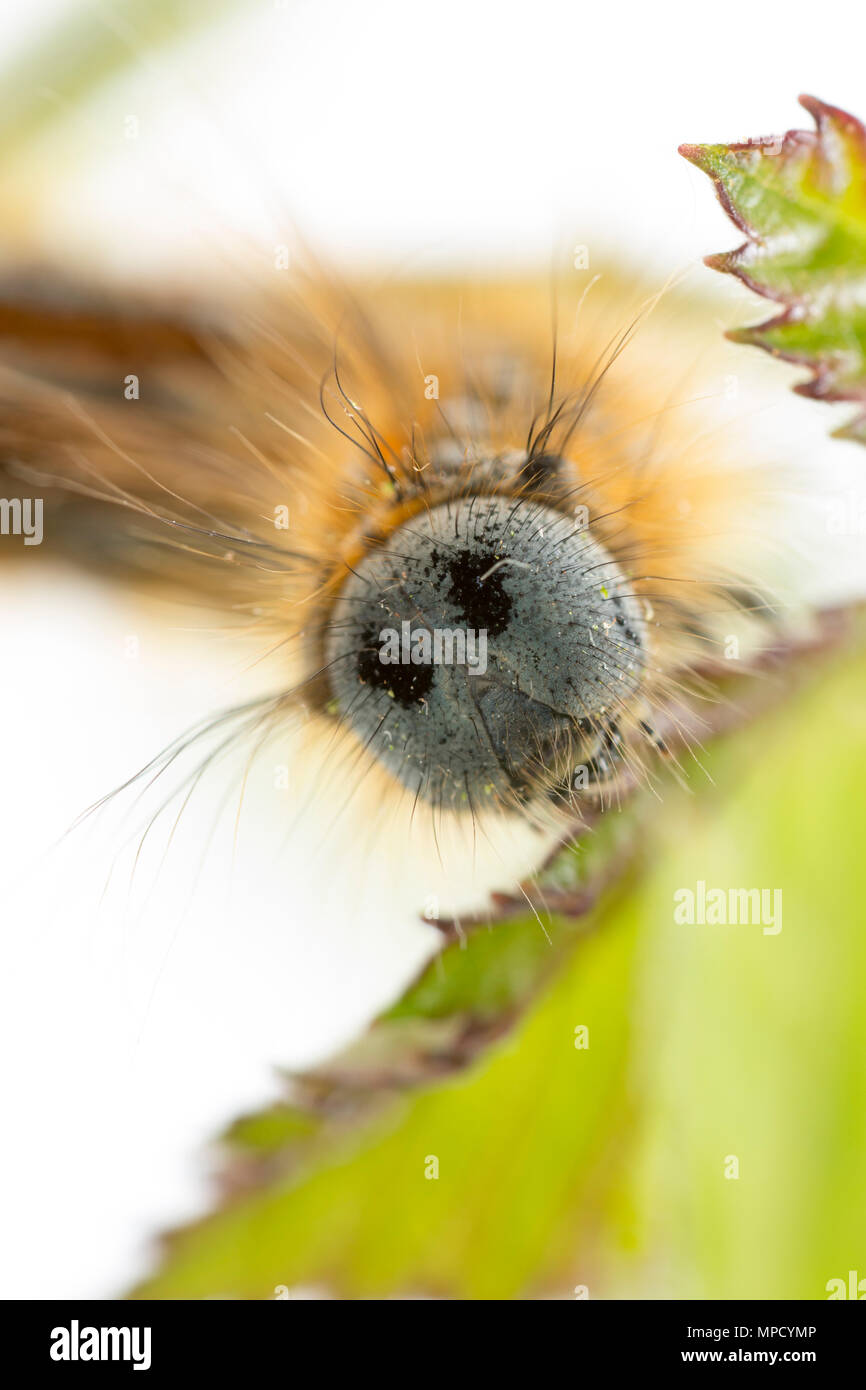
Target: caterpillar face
[(386, 500), (486, 651)]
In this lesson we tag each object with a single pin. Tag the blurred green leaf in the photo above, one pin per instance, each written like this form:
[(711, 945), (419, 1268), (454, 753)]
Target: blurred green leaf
[(801, 200), (602, 1166), (82, 51)]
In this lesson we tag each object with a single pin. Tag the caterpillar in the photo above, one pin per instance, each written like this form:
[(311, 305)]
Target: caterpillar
[(363, 477)]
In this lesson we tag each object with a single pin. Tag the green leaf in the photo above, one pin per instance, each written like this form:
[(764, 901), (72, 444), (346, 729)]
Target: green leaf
[(801, 200), (603, 1165), (81, 52)]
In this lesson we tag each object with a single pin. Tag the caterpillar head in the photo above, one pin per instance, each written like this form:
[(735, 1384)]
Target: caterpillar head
[(486, 652), (481, 642)]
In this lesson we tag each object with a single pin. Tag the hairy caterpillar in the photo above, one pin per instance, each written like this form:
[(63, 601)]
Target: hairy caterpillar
[(330, 465)]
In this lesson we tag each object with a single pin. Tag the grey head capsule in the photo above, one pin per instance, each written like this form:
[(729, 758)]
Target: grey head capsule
[(485, 649)]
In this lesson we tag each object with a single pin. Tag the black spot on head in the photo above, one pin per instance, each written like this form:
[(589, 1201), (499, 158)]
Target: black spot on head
[(483, 602), (621, 622), (408, 684)]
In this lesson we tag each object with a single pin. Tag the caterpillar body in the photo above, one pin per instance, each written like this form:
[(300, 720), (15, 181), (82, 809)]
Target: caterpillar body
[(367, 476)]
